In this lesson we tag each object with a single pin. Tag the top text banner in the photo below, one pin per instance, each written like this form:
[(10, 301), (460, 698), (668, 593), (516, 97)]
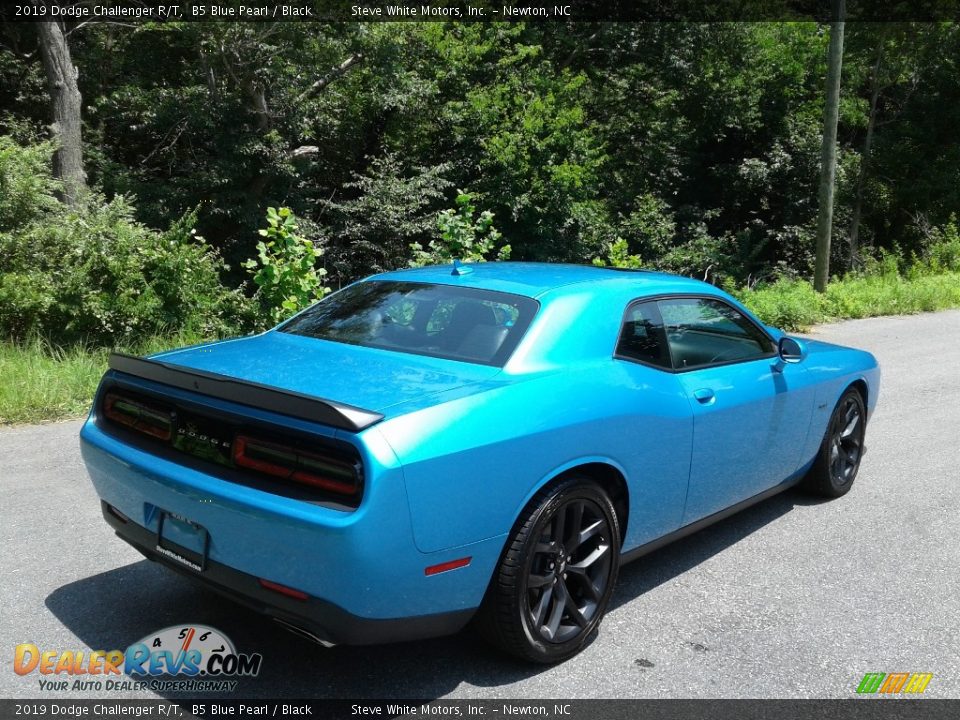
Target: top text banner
[(132, 11)]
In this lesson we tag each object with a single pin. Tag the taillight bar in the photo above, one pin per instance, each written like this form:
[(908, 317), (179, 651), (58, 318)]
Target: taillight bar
[(313, 468), (292, 463), (139, 416)]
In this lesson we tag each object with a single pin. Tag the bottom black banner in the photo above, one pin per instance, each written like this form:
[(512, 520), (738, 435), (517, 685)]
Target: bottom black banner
[(854, 709)]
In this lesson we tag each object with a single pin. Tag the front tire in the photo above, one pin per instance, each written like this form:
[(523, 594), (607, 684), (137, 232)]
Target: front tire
[(554, 581), (838, 460)]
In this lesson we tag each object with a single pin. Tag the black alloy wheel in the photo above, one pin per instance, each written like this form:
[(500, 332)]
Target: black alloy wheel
[(557, 573), (846, 441), (838, 461), (569, 571)]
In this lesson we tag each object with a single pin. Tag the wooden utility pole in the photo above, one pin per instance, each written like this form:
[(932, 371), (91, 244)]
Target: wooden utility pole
[(828, 152), (65, 110)]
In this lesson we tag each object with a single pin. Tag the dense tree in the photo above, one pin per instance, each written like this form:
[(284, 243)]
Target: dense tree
[(693, 146)]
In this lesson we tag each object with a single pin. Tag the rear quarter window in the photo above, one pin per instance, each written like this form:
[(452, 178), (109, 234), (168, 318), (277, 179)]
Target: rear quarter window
[(642, 336)]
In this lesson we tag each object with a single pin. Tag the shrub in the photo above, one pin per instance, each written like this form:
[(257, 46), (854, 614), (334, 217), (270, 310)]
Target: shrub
[(618, 256), (94, 274), (787, 304), (942, 253), (462, 237), (27, 191), (860, 297), (285, 269), (886, 263)]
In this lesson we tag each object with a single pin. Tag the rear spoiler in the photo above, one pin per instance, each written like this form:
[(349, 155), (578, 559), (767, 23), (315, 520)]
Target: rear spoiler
[(263, 397)]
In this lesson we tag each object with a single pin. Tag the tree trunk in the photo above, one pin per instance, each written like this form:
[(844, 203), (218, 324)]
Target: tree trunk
[(329, 77), (854, 239), (65, 109), (828, 153), (258, 103)]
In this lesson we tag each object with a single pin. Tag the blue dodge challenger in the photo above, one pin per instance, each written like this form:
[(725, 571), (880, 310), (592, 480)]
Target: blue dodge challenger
[(481, 442)]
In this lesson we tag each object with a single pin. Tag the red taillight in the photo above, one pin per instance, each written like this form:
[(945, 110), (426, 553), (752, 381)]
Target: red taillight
[(290, 463), (283, 589), (139, 416)]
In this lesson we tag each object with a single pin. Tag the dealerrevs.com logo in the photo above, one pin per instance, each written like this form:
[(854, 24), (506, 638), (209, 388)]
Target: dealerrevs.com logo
[(894, 683), (203, 655)]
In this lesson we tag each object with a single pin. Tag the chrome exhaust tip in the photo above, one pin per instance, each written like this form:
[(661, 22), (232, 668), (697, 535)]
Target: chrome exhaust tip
[(304, 633)]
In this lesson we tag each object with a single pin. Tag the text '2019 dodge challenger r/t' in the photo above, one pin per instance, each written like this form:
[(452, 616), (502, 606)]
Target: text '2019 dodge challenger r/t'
[(487, 442)]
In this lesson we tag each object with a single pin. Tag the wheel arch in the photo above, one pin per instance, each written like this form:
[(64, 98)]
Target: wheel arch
[(603, 471), (860, 385)]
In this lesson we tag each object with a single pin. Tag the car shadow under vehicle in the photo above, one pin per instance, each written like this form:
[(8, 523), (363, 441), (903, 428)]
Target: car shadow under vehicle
[(650, 571), (113, 609)]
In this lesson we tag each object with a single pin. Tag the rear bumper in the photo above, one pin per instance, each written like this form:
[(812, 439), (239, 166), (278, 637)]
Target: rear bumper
[(317, 619), (365, 579)]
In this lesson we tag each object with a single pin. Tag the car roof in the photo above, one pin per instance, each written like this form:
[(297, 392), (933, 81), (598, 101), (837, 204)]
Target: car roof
[(535, 279)]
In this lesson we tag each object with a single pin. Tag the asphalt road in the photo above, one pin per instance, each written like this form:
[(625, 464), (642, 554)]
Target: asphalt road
[(791, 598)]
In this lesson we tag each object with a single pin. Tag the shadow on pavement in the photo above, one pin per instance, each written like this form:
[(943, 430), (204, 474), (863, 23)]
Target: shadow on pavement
[(113, 609), (649, 572)]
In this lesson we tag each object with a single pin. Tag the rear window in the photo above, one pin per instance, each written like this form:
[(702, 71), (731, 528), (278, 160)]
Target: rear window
[(478, 326)]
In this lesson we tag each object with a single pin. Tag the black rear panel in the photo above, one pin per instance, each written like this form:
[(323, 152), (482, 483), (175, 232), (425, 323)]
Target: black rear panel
[(203, 438)]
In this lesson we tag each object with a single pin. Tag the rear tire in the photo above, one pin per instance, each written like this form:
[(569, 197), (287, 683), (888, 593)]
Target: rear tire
[(838, 460), (557, 573)]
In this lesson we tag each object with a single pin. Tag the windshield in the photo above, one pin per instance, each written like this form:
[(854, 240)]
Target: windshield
[(455, 323)]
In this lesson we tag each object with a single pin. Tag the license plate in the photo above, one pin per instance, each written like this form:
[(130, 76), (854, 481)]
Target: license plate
[(182, 541)]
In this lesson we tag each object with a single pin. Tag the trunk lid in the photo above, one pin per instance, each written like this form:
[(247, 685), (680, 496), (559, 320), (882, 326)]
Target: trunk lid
[(367, 378)]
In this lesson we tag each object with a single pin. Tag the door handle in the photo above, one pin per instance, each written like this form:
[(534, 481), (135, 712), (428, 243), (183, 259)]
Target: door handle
[(704, 396)]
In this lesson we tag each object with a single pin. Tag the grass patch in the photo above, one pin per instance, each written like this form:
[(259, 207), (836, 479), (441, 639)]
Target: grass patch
[(793, 305), (43, 381)]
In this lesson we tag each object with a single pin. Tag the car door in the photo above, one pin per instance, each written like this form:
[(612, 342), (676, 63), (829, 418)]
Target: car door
[(751, 412)]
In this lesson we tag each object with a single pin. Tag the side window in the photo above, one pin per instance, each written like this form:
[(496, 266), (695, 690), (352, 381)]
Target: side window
[(642, 336), (705, 331)]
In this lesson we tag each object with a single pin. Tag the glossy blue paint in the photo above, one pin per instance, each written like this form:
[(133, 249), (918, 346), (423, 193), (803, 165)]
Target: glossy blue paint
[(463, 447), (751, 431), (359, 376)]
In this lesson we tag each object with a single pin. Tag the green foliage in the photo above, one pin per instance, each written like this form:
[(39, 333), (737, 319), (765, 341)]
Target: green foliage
[(618, 256), (390, 208), (885, 263), (687, 147), (463, 237), (859, 297), (942, 253), (27, 191), (94, 274), (786, 304), (285, 269), (522, 124), (47, 382), (697, 143), (650, 226)]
